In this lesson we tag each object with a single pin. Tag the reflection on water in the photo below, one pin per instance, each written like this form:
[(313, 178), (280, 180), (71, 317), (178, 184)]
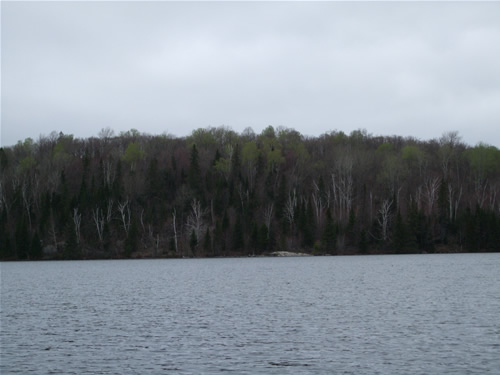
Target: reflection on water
[(418, 314)]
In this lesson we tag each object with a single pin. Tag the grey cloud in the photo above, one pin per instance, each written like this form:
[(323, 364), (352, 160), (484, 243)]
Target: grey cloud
[(393, 68)]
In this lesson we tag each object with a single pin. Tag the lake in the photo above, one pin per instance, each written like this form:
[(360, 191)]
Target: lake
[(407, 314)]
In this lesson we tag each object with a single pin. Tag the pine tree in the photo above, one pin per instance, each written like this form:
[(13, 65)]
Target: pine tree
[(22, 239), (281, 198), (400, 239), (70, 250), (254, 238), (207, 243), (329, 235), (36, 250), (238, 242), (363, 242), (132, 239), (194, 171), (265, 240), (193, 242)]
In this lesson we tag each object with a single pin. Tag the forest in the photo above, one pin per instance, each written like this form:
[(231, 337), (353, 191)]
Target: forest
[(219, 193)]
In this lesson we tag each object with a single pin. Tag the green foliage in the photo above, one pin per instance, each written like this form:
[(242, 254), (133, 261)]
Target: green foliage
[(27, 164), (133, 154), (385, 148), (250, 153), (243, 183), (484, 159)]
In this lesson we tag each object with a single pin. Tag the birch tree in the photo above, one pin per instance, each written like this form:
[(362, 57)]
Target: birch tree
[(124, 210), (195, 220), (384, 218)]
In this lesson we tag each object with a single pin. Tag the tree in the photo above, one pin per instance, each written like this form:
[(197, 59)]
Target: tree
[(70, 250), (384, 218), (237, 240), (133, 154), (22, 239), (36, 250), (329, 239), (400, 238), (250, 155), (193, 242), (194, 172), (132, 239), (207, 243)]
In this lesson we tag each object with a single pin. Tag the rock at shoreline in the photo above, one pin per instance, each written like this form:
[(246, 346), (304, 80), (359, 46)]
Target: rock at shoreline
[(288, 254)]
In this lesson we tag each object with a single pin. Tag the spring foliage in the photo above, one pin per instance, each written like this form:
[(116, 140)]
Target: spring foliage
[(219, 193)]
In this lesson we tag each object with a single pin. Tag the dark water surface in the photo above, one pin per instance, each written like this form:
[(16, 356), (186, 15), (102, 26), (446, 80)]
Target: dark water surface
[(411, 314)]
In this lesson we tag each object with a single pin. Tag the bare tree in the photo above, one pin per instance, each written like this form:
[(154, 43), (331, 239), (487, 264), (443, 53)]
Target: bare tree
[(290, 206), (124, 209), (108, 172), (431, 191), (454, 197), (109, 213), (319, 204), (174, 216), (27, 200), (99, 221), (195, 221), (384, 218), (449, 142), (342, 188), (268, 215), (77, 220), (493, 196), (244, 195)]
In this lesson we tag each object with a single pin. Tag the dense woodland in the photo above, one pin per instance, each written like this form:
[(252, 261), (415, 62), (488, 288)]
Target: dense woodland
[(220, 193)]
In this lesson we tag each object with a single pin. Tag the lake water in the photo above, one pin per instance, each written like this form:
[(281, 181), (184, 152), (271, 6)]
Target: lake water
[(408, 314)]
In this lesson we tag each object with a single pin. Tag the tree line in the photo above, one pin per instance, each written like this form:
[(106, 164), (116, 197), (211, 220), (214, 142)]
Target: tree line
[(220, 193)]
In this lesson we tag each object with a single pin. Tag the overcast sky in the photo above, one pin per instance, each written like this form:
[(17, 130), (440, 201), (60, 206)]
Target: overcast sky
[(392, 68)]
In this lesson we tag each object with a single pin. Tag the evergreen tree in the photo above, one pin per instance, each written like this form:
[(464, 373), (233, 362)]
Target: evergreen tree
[(280, 198), (6, 250), (193, 242), (70, 250), (171, 245), (254, 238), (36, 250), (351, 226), (264, 238), (218, 245), (238, 241), (132, 239), (194, 172), (4, 160), (235, 174), (329, 235), (443, 211), (363, 242), (308, 226), (22, 239), (207, 243), (400, 239)]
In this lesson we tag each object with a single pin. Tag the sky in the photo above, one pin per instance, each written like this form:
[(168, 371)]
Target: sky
[(415, 69)]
